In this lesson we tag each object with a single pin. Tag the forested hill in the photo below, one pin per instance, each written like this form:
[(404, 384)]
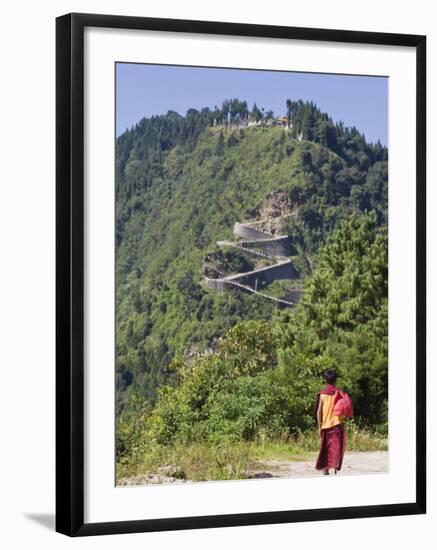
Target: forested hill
[(181, 184)]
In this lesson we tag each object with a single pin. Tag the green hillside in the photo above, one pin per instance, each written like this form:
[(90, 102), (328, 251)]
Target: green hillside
[(182, 183)]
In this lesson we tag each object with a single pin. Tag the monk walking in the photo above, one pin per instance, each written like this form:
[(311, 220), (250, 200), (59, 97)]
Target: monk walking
[(331, 427)]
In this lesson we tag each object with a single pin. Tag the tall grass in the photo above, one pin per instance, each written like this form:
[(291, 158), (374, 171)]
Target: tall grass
[(357, 440), (226, 461), (196, 462)]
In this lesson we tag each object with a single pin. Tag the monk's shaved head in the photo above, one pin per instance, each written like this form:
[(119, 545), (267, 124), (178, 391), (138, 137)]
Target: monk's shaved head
[(330, 376)]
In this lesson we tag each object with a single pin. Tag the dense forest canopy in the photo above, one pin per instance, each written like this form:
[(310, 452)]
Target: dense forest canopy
[(181, 184)]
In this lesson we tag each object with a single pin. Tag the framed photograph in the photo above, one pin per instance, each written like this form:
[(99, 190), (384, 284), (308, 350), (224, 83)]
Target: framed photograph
[(240, 274)]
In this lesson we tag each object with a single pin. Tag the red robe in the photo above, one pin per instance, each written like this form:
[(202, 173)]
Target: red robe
[(332, 441)]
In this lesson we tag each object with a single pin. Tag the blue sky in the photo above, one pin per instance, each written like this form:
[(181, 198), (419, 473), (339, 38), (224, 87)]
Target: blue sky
[(145, 90)]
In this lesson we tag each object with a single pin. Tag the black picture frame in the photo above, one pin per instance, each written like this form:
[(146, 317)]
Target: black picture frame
[(70, 273)]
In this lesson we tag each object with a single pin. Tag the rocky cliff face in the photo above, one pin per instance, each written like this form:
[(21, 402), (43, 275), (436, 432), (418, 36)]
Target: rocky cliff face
[(270, 212)]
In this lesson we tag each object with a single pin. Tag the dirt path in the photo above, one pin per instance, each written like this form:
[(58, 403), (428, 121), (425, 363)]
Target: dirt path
[(353, 463)]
